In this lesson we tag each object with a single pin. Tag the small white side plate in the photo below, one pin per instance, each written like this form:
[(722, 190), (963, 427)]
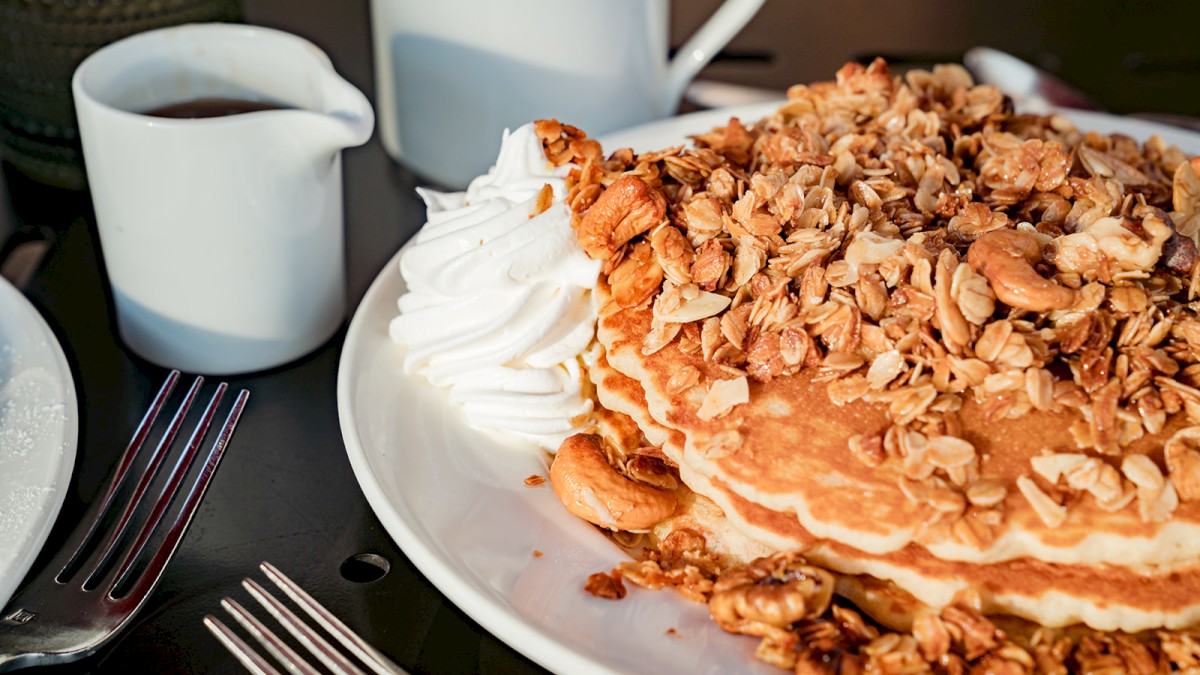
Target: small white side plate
[(39, 427)]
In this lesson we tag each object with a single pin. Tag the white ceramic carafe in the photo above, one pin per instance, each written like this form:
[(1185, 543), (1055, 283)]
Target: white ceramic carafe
[(451, 75), (222, 237)]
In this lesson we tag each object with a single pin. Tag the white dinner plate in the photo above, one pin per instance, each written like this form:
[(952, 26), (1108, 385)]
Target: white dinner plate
[(38, 432), (455, 502)]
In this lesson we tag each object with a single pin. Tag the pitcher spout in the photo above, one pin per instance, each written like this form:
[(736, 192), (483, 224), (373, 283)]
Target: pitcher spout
[(346, 119), (341, 129)]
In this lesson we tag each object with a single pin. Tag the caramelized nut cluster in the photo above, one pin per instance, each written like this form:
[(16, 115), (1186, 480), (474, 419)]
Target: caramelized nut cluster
[(787, 604)]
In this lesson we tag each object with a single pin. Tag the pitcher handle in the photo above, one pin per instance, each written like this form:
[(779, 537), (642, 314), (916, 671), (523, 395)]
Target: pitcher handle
[(699, 49)]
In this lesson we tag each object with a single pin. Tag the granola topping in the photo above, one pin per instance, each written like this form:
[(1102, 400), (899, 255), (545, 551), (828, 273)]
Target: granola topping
[(913, 243), (787, 604)]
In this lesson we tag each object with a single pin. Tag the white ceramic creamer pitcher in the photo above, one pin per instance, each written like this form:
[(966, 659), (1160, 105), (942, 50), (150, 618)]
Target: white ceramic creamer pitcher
[(222, 236), (451, 75)]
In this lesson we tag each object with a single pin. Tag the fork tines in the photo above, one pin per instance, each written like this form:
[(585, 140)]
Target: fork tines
[(116, 555), (304, 634), (128, 580)]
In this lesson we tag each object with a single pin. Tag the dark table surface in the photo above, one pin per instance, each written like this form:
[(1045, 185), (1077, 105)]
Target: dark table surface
[(285, 492)]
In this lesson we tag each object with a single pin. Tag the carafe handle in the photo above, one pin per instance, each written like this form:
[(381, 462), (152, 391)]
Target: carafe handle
[(699, 49)]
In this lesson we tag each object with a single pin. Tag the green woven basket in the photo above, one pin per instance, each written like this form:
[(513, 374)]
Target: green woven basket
[(41, 43)]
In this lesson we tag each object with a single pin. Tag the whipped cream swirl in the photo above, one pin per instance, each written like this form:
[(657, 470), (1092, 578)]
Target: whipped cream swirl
[(498, 307)]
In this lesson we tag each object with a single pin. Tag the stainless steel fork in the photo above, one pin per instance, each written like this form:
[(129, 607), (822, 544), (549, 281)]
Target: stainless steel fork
[(115, 557), (337, 662)]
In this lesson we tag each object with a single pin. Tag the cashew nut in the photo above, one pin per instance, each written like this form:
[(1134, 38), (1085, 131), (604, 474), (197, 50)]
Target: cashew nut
[(637, 278), (1006, 258), (591, 489), (624, 210), (772, 592)]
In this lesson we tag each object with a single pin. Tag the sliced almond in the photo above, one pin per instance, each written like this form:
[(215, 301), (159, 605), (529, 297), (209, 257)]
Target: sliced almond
[(948, 451), (1157, 505), (722, 397), (986, 492), (1039, 386), (1051, 512), (1052, 466), (702, 306), (885, 368), (1086, 475), (1142, 472), (1125, 498), (842, 361), (1108, 486), (1183, 462), (685, 378)]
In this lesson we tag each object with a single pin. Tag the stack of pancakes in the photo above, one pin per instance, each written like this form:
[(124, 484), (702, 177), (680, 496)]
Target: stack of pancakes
[(791, 484), (948, 352)]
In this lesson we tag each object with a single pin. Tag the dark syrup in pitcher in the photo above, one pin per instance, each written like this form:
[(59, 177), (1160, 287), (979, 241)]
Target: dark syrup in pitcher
[(211, 107)]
